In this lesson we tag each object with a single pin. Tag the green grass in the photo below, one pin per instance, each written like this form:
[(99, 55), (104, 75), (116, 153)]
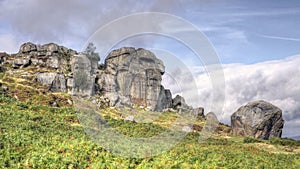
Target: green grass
[(285, 142), (2, 75), (39, 136), (252, 140)]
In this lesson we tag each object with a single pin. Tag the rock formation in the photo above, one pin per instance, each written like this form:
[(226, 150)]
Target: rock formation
[(258, 119), (128, 77), (50, 62), (133, 76), (48, 55), (56, 67)]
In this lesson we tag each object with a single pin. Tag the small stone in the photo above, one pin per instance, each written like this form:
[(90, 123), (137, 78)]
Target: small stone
[(129, 118), (70, 102), (10, 72), (187, 129), (53, 104)]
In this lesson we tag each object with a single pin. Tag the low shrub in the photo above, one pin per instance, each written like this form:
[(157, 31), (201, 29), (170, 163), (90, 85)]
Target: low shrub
[(252, 140), (284, 141)]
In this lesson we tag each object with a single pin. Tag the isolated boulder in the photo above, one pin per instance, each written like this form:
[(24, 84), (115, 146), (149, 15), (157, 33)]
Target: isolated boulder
[(258, 119)]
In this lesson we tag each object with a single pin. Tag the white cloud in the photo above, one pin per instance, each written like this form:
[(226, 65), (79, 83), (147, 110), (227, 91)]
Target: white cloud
[(68, 22), (280, 38), (265, 12), (274, 81)]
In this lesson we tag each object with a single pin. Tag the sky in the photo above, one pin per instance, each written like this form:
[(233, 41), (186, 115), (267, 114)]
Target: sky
[(257, 42)]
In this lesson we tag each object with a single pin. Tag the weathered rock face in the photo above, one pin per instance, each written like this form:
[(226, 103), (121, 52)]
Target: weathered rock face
[(46, 78), (133, 76), (258, 119), (180, 105), (48, 55), (199, 112), (84, 75), (165, 99), (21, 62), (55, 82), (59, 84)]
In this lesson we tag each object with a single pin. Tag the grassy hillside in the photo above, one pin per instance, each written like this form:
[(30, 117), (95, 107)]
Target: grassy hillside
[(39, 136)]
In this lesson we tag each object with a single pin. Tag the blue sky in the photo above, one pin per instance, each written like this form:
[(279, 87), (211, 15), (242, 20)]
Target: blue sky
[(253, 31), (253, 39)]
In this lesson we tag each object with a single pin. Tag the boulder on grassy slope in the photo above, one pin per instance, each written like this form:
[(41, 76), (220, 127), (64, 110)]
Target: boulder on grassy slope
[(258, 119)]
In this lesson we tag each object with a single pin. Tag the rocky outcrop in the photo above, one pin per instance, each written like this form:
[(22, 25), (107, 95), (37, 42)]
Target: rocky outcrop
[(55, 61), (258, 119), (128, 77), (133, 76), (49, 55)]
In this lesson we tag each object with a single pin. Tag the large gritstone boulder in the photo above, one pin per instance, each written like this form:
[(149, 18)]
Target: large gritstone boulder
[(258, 119)]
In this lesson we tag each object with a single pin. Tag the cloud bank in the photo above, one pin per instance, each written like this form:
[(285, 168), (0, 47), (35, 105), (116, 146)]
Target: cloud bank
[(274, 81)]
